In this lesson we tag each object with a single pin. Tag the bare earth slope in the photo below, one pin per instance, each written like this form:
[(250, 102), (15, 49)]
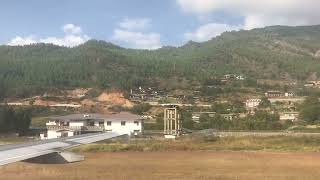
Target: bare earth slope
[(114, 98)]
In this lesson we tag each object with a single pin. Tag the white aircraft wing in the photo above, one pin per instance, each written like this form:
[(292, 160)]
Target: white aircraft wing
[(20, 152)]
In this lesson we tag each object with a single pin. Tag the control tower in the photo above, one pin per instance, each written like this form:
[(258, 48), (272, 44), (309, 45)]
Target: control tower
[(172, 122)]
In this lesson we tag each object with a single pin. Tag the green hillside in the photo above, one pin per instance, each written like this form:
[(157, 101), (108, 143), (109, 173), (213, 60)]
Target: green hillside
[(274, 52)]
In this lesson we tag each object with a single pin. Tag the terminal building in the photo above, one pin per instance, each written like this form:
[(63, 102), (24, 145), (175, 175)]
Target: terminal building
[(76, 124)]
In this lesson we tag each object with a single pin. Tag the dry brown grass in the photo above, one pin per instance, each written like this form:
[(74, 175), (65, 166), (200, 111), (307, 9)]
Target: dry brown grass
[(210, 143), (176, 165)]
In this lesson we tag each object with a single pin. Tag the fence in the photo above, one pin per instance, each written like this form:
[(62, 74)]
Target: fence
[(241, 133), (264, 134)]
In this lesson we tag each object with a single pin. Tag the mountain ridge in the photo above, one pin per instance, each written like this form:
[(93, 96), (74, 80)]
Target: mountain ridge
[(274, 52)]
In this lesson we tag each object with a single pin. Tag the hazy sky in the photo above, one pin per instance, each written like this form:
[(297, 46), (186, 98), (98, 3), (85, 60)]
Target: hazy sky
[(146, 24)]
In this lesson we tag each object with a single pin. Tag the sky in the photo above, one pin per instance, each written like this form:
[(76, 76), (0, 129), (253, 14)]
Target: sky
[(143, 24)]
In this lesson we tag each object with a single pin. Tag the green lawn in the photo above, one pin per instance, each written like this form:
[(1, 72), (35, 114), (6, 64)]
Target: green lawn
[(39, 121)]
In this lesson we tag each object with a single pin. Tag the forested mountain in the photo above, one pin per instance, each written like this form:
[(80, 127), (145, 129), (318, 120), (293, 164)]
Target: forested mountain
[(272, 52)]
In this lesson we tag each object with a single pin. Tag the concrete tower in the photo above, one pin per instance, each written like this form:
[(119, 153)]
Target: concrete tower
[(172, 122)]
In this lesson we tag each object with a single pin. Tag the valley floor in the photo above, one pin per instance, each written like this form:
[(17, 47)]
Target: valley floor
[(176, 165)]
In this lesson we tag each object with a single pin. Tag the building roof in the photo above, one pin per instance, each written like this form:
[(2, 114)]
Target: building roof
[(86, 116), (253, 100), (273, 92), (282, 113)]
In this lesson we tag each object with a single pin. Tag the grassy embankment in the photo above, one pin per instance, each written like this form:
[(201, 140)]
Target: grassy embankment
[(12, 139), (267, 144), (39, 121)]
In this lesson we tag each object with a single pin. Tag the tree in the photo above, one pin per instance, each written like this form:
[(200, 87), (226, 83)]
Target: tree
[(3, 119), (262, 120), (14, 120), (186, 118), (22, 120), (36, 68), (265, 103), (2, 89), (310, 109), (140, 108)]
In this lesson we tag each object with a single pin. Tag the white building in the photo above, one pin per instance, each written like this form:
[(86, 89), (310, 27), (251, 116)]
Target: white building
[(289, 116), (229, 117), (240, 77), (76, 124), (196, 115), (289, 94), (14, 104), (274, 94), (253, 103), (66, 105)]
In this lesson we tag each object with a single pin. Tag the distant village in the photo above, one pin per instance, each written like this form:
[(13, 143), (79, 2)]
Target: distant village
[(285, 102), (197, 101)]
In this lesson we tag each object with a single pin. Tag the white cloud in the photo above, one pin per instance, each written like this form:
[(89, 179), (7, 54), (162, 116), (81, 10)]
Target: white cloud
[(133, 34), (71, 29), (208, 31), (68, 40), (22, 41), (137, 40), (259, 13), (73, 37), (135, 23)]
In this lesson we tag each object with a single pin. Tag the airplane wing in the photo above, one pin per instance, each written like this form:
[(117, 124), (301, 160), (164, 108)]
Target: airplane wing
[(21, 152)]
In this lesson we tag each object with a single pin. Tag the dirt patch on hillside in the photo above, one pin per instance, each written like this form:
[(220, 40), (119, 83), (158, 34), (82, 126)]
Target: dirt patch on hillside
[(88, 102), (39, 102), (114, 98), (78, 93)]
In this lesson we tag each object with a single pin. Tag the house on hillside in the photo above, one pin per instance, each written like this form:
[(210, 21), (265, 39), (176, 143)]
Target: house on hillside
[(289, 94), (240, 77), (278, 94), (252, 103), (66, 105), (196, 115), (273, 94), (309, 84), (289, 116), (14, 104), (76, 124), (312, 84), (149, 94), (149, 119), (233, 77), (229, 76), (230, 116)]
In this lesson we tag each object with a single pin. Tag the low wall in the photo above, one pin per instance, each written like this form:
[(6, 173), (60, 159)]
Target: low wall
[(263, 134)]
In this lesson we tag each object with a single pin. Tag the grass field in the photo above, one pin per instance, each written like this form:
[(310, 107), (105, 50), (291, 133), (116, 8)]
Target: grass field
[(13, 139), (175, 165), (228, 158), (249, 143)]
